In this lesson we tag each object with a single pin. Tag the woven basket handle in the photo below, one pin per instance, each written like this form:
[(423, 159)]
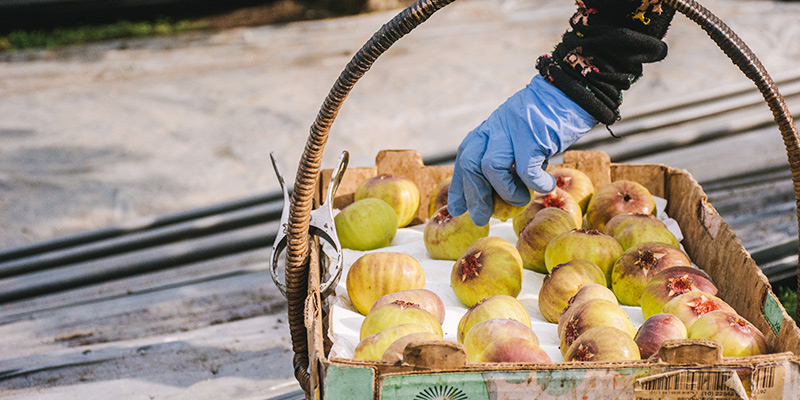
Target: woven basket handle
[(309, 169)]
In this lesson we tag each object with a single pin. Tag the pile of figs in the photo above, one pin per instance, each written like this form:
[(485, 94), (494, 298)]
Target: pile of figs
[(597, 249)]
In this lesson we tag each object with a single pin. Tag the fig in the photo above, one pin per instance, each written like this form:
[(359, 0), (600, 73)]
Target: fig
[(636, 266), (738, 337), (514, 349), (400, 193), (603, 343), (655, 330), (632, 229), (438, 197), (547, 224), (499, 306), (588, 244), (504, 210), (589, 314), (394, 353), (590, 292), (574, 182), (555, 199), (670, 283), (488, 267), (396, 313), (366, 225), (618, 197), (426, 299), (692, 305), (563, 283), (447, 237), (373, 346), (376, 274), (484, 333)]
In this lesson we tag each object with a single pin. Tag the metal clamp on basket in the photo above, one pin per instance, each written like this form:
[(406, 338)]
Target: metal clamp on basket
[(321, 226)]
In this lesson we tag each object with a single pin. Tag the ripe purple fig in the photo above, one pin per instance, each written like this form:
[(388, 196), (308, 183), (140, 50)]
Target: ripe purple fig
[(447, 237), (555, 199), (603, 343), (738, 337), (376, 274), (692, 305), (489, 266), (366, 224), (499, 306), (400, 193), (588, 244), (618, 197), (484, 333), (590, 292), (394, 353), (547, 224), (515, 350), (632, 229), (373, 346), (426, 299), (589, 314), (655, 330), (398, 313), (563, 283), (672, 282), (504, 210), (574, 182), (636, 266), (438, 197)]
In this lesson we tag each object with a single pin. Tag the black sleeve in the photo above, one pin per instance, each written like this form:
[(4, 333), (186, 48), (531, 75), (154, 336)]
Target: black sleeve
[(603, 53)]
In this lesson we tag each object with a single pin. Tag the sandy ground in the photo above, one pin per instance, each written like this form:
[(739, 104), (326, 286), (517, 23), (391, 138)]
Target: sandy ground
[(108, 133)]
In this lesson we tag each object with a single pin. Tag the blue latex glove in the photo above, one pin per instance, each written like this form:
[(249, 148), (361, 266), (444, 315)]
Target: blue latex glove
[(509, 151)]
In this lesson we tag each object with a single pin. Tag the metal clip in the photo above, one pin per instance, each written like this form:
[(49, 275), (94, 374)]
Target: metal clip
[(321, 225)]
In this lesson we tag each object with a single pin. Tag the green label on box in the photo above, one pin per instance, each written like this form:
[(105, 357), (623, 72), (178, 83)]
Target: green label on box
[(349, 383), (463, 386), (773, 313)]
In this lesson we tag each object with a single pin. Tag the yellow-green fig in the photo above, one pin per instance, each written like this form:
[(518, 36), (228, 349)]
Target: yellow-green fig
[(366, 224), (400, 193), (374, 275), (398, 313), (447, 237), (373, 346), (499, 306)]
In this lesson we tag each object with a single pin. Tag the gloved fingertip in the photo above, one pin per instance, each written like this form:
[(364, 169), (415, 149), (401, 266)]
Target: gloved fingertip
[(480, 218)]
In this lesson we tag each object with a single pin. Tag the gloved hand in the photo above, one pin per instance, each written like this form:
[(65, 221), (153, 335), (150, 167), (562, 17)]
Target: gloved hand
[(510, 150), (597, 59)]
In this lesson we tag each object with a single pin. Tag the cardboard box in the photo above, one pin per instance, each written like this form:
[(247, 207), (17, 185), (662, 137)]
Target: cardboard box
[(684, 369)]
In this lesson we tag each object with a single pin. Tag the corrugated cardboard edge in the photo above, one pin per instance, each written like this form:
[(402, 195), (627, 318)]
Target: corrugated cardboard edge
[(703, 229)]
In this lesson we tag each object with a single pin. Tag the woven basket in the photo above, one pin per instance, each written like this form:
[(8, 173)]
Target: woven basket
[(308, 173)]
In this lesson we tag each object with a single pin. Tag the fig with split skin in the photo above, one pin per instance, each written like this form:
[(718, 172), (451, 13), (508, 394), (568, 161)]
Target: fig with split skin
[(618, 197), (690, 306), (672, 282), (574, 182), (590, 314), (636, 266), (400, 193), (424, 298), (738, 337), (488, 267), (555, 199), (447, 237), (603, 343)]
